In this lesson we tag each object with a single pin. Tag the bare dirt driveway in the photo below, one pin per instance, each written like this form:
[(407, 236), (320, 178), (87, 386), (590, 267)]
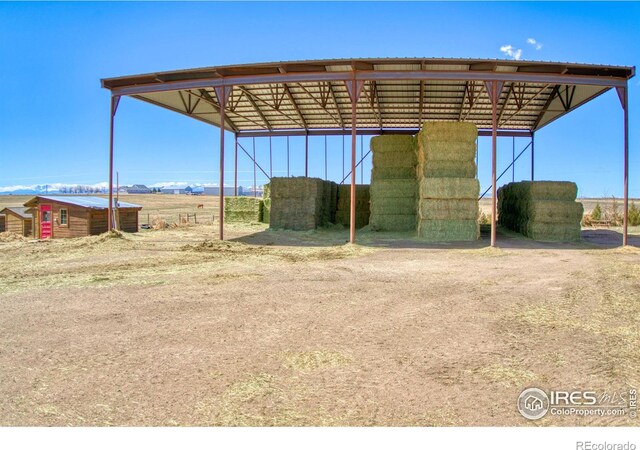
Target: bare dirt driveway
[(280, 328)]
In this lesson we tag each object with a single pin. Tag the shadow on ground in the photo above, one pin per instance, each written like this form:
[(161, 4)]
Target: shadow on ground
[(591, 239)]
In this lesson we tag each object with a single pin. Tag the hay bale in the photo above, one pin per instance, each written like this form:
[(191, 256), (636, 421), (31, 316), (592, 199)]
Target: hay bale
[(343, 218), (448, 230), (295, 187), (544, 231), (446, 150), (300, 203), (392, 173), (266, 210), (242, 209), (449, 131), (392, 222), (392, 143), (393, 205), (437, 209), (447, 169), (450, 188), (344, 197), (394, 159), (395, 188)]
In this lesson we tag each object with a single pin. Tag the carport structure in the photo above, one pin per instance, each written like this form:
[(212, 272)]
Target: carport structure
[(376, 96)]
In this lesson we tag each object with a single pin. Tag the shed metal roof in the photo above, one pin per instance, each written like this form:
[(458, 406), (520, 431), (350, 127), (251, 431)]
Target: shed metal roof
[(19, 211), (83, 201), (399, 93)]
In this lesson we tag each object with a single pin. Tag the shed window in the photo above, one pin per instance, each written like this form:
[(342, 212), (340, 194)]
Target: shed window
[(64, 220)]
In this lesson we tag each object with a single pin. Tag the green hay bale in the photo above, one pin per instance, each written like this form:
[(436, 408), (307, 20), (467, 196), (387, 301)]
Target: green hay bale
[(394, 173), (448, 209), (392, 143), (393, 205), (266, 191), (449, 131), (243, 209), (296, 187), (266, 210), (555, 211), (450, 188), (392, 222), (448, 230), (447, 169), (394, 188), (344, 196), (343, 218), (542, 190), (394, 159), (542, 231), (445, 150)]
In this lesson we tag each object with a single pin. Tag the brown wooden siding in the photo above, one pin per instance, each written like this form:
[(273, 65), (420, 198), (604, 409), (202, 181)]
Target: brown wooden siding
[(18, 225), (128, 221), (76, 220), (2, 225)]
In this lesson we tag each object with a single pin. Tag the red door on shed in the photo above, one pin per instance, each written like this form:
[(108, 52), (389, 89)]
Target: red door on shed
[(45, 221)]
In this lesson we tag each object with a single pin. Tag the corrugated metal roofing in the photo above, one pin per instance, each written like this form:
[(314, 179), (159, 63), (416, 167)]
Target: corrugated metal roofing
[(399, 93), (86, 202)]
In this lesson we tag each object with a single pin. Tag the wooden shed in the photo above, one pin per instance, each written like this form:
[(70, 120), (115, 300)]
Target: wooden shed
[(18, 219), (2, 223), (63, 216)]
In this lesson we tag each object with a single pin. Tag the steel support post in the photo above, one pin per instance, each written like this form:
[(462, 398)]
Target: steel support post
[(235, 166), (222, 93), (288, 172), (354, 88), (513, 159), (255, 187), (532, 154), (494, 145), (325, 158), (306, 155), (270, 158), (115, 100), (623, 94)]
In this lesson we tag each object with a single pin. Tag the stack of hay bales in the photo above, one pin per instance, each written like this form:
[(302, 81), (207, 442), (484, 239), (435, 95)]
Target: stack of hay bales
[(266, 203), (343, 208), (242, 209), (301, 203), (541, 210), (394, 187), (448, 190)]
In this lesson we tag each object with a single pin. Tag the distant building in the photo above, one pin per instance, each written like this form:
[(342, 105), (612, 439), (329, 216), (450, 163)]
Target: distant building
[(18, 219), (138, 189), (176, 190), (74, 216), (215, 190)]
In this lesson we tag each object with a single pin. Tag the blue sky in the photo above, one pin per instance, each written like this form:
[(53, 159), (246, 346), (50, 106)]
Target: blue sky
[(54, 116)]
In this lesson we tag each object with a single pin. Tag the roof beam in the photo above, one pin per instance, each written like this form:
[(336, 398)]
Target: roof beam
[(255, 106), (524, 105), (292, 99), (207, 97), (319, 103), (367, 132), (252, 98), (335, 102), (435, 75)]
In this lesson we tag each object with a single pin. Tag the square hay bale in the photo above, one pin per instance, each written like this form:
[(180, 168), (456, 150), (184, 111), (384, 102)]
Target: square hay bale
[(437, 209), (343, 218), (447, 169), (300, 203), (402, 188), (393, 205), (446, 150), (392, 222), (544, 231), (393, 173), (392, 143), (344, 197), (449, 131), (450, 188), (394, 159), (266, 210), (243, 209), (448, 230)]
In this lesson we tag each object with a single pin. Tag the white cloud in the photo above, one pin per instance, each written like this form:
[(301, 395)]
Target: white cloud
[(511, 51), (49, 187), (537, 45)]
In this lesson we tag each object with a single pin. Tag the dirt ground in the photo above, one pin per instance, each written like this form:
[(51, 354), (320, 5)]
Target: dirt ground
[(298, 328)]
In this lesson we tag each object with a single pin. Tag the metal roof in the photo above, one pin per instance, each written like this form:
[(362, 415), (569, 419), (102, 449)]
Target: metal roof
[(19, 211), (83, 201), (399, 94)]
